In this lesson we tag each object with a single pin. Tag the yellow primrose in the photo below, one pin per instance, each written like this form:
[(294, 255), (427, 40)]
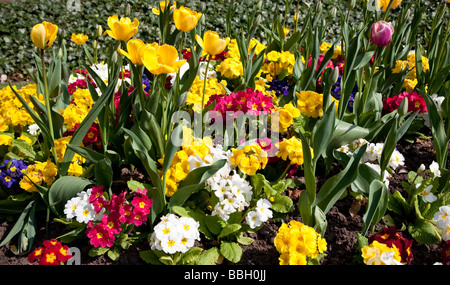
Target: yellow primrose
[(249, 159), (44, 34), (211, 43), (123, 29), (291, 148), (136, 49), (297, 242), (163, 5), (185, 19), (79, 39), (162, 60), (5, 139), (286, 115)]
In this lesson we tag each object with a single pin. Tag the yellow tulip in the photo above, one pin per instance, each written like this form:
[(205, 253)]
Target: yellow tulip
[(211, 43), (136, 49), (79, 39), (123, 29), (163, 5), (44, 34), (185, 19), (162, 60)]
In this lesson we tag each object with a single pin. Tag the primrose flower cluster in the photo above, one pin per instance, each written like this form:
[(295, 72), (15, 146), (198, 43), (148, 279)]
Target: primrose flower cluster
[(53, 252), (11, 172), (246, 101), (298, 243), (372, 156), (106, 219), (387, 248), (174, 234)]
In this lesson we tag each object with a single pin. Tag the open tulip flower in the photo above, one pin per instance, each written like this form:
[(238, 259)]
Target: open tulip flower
[(79, 39), (382, 32), (211, 43), (44, 34), (136, 49), (185, 19), (123, 29), (162, 60)]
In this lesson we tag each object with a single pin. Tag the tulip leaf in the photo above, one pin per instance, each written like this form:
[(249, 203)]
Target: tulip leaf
[(63, 189), (334, 187), (377, 204), (87, 122)]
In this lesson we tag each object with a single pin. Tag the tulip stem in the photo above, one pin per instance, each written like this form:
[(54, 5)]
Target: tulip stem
[(204, 86), (79, 58), (47, 105), (141, 88), (181, 44)]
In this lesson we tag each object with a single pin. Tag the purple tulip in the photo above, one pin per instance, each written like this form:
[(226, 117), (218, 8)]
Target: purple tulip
[(382, 32)]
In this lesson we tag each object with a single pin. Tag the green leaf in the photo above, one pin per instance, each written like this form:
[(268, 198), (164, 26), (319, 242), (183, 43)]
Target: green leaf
[(21, 222), (97, 251), (114, 253), (213, 224), (424, 232), (82, 129), (194, 181), (229, 229), (334, 187), (63, 189), (282, 204), (398, 204), (323, 131), (150, 257), (208, 257), (376, 206), (190, 256), (231, 251), (244, 240)]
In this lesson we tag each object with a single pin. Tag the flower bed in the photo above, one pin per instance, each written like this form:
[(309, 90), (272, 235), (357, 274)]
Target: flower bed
[(203, 148)]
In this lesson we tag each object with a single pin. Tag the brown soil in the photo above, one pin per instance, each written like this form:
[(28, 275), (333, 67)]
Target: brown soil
[(344, 223)]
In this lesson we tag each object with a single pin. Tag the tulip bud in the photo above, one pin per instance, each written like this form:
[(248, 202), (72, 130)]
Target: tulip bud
[(333, 12), (382, 33), (319, 7), (128, 10), (257, 21), (95, 44), (352, 4), (259, 5), (99, 31), (421, 168), (114, 57), (333, 78), (403, 107)]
